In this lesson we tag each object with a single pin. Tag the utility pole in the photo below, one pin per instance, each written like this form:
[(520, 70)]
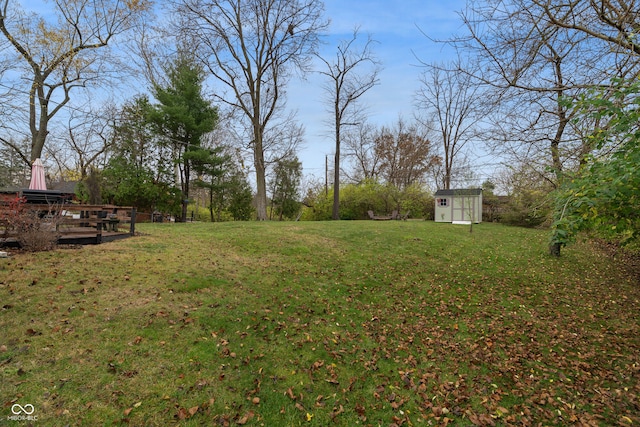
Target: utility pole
[(326, 175)]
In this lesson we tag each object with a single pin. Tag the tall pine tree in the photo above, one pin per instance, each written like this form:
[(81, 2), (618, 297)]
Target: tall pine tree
[(183, 116)]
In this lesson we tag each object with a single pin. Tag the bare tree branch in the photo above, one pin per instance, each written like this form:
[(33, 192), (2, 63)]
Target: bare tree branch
[(352, 73), (455, 102), (62, 56)]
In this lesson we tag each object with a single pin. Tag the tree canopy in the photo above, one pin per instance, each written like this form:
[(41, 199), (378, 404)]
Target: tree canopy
[(602, 196), (58, 56), (182, 117)]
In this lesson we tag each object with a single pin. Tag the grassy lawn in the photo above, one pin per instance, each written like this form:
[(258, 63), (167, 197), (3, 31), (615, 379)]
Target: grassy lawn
[(318, 324)]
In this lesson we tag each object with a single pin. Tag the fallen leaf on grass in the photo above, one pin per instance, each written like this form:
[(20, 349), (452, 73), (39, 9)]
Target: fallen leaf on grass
[(182, 414), (502, 411), (245, 418), (361, 412), (480, 420), (290, 394), (396, 405), (336, 412)]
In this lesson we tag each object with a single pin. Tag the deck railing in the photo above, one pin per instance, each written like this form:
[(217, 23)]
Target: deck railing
[(75, 223)]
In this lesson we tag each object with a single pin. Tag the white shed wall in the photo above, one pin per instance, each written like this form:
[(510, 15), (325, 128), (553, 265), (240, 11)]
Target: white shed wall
[(459, 208)]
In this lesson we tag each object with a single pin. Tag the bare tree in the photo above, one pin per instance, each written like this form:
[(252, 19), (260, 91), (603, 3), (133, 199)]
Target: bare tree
[(359, 147), (534, 55), (89, 136), (55, 56), (405, 154), (252, 47), (351, 74), (452, 99)]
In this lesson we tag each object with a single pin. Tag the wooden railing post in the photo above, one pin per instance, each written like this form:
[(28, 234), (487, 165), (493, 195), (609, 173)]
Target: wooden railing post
[(132, 226), (99, 231)]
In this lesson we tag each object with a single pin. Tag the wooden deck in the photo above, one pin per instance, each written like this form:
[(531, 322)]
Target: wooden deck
[(76, 224)]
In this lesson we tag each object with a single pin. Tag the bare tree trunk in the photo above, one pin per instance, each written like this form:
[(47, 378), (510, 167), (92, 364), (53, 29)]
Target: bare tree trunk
[(557, 139), (335, 214), (185, 192), (261, 182), (38, 130), (345, 87)]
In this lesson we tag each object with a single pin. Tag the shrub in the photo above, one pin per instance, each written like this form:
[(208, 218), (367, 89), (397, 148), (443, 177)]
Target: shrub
[(318, 205), (357, 199), (527, 209), (418, 201), (35, 230)]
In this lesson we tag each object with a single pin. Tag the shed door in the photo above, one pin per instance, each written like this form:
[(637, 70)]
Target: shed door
[(463, 208)]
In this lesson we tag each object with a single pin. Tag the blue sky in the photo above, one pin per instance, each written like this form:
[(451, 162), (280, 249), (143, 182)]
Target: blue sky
[(396, 25)]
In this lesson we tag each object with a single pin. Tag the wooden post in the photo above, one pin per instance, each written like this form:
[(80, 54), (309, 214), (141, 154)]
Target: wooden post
[(99, 230), (132, 227)]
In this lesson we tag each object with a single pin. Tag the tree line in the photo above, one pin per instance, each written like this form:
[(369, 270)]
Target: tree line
[(546, 85)]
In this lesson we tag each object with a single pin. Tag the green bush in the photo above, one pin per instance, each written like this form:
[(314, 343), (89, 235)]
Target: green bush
[(418, 201), (357, 199), (318, 205), (527, 209)]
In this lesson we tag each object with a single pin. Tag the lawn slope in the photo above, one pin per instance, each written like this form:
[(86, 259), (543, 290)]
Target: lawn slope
[(323, 323)]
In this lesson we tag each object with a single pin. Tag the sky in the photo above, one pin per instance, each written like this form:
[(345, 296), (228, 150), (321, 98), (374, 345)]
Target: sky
[(399, 28)]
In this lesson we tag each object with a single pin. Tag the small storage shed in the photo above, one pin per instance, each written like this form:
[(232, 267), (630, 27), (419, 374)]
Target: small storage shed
[(461, 205)]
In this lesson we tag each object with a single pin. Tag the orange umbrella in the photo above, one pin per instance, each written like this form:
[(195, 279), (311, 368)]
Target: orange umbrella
[(37, 176)]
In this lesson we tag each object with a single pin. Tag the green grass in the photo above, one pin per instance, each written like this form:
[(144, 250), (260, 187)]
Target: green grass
[(323, 323)]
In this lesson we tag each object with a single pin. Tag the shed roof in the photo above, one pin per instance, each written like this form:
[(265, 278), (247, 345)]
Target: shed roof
[(460, 192)]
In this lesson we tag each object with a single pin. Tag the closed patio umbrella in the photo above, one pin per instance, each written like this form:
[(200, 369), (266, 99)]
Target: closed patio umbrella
[(37, 176)]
